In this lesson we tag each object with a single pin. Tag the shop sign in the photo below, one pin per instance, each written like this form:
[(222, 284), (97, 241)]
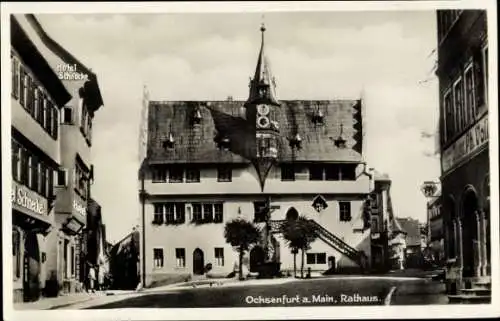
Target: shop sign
[(25, 198), (79, 208), (467, 144)]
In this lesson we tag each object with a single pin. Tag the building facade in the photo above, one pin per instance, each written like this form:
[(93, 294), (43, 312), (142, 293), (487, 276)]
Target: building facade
[(381, 217), (435, 230), (124, 260), (68, 177), (263, 160), (463, 83), (37, 96)]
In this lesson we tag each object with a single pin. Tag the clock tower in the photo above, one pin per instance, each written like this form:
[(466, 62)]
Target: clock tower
[(262, 109)]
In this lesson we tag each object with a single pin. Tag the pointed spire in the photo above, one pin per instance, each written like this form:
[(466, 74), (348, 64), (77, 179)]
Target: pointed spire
[(263, 85)]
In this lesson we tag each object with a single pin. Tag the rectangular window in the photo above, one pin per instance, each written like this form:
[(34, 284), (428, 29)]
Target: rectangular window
[(224, 174), (287, 172), (180, 213), (345, 211), (180, 257), (15, 77), (158, 258), (316, 258), (159, 174), (43, 179), (175, 175), (62, 177), (192, 175), (65, 258), (66, 115), (40, 117), (24, 167), (22, 87), (374, 226), (348, 172), (218, 213), (219, 256), (449, 123), (484, 67), (158, 213), (48, 116), (55, 123), (208, 212), (470, 101), (260, 212), (315, 173), (34, 173), (29, 94), (16, 163), (458, 104), (332, 172), (81, 179), (50, 182), (169, 213), (197, 216)]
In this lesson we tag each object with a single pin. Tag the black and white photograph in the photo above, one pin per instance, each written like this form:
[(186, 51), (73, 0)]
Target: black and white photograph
[(290, 157)]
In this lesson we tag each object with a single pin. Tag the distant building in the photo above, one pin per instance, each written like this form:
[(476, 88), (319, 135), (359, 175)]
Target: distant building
[(262, 159), (435, 229), (462, 70), (413, 251), (381, 217), (397, 245), (124, 262)]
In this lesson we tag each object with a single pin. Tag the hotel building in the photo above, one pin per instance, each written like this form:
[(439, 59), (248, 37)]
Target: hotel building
[(463, 83), (59, 169), (264, 160)]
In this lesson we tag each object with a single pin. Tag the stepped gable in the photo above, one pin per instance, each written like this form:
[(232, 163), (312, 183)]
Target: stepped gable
[(195, 143)]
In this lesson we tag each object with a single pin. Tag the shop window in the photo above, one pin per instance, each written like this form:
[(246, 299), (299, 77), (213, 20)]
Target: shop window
[(219, 256), (224, 174), (180, 257), (345, 211), (316, 258), (158, 258)]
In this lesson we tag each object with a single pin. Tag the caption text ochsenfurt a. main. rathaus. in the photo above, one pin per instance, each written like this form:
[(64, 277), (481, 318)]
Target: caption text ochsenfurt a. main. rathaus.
[(311, 299)]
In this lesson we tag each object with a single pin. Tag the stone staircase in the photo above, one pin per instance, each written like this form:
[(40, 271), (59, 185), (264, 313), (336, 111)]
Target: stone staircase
[(478, 293)]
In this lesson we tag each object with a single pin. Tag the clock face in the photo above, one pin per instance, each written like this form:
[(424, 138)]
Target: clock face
[(263, 109)]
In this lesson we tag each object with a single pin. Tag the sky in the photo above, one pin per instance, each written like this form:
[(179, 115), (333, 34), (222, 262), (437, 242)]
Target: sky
[(386, 58)]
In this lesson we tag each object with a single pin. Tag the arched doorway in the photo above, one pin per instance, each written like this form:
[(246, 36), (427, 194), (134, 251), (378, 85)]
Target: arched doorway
[(292, 214), (31, 268), (198, 262), (257, 257), (469, 232)]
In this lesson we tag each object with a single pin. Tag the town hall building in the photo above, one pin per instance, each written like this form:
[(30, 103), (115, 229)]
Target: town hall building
[(265, 160)]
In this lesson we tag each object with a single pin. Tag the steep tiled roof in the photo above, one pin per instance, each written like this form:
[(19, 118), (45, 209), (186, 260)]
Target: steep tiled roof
[(194, 143), (412, 229)]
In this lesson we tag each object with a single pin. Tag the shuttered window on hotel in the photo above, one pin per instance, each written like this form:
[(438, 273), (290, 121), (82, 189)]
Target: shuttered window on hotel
[(15, 77)]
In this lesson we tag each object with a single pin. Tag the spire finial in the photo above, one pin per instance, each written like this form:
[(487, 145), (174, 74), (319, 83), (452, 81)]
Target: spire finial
[(262, 24)]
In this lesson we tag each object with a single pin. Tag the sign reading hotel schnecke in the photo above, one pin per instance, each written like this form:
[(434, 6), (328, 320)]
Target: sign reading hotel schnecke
[(469, 143), (24, 198), (79, 208)]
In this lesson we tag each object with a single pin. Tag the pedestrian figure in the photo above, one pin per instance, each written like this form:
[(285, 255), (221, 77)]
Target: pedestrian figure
[(92, 278), (100, 279)]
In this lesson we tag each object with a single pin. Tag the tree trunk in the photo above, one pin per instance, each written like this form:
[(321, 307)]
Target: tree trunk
[(294, 264), (302, 265), (240, 272)]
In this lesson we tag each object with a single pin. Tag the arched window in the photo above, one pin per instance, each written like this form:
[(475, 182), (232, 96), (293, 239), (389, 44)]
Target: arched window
[(292, 214)]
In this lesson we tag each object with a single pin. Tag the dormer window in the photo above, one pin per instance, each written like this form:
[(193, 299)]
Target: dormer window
[(223, 142), (296, 142), (318, 117), (169, 142), (319, 203), (196, 117), (340, 142)]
